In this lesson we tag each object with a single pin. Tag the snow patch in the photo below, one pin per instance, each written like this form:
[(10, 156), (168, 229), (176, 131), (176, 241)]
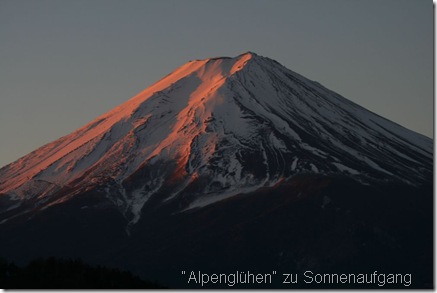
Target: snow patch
[(343, 168)]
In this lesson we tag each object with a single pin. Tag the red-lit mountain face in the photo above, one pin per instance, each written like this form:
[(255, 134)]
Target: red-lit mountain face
[(224, 165), (210, 130)]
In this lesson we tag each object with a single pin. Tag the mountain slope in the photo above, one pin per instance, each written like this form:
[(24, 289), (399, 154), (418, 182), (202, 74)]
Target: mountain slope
[(214, 128), (224, 165)]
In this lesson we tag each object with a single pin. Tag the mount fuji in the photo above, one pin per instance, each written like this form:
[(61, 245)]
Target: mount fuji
[(218, 149)]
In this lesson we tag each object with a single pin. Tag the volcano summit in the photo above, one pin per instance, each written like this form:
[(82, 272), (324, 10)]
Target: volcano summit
[(216, 135)]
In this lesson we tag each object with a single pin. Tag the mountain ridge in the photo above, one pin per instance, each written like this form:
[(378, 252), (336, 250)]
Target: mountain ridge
[(215, 128)]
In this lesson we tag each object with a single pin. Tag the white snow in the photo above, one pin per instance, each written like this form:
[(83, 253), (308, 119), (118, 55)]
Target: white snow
[(314, 168), (294, 164), (344, 168), (211, 111)]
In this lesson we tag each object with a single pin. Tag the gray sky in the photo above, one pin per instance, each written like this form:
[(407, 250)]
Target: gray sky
[(63, 63)]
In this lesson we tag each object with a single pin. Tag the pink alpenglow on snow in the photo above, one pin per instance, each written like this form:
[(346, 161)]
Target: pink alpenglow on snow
[(215, 128)]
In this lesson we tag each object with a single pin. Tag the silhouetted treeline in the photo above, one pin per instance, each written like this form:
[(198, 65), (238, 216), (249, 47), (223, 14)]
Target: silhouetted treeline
[(55, 273)]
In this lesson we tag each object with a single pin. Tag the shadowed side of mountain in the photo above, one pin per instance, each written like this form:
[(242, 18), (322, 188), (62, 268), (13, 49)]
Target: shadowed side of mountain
[(318, 223), (313, 223)]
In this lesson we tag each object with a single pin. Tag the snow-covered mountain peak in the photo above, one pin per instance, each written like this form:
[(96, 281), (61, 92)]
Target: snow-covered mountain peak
[(214, 128)]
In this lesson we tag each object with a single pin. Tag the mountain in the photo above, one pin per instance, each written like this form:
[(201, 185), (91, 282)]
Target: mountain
[(215, 128), (216, 135)]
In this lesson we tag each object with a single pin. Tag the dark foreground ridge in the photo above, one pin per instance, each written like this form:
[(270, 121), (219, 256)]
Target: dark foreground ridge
[(53, 273)]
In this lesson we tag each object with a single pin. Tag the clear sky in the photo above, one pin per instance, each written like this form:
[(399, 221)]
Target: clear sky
[(63, 63)]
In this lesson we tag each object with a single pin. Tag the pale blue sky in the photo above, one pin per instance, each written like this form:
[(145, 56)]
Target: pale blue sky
[(63, 63)]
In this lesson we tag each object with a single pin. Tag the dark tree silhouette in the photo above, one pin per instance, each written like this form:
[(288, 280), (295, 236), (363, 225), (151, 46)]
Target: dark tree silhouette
[(55, 273)]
